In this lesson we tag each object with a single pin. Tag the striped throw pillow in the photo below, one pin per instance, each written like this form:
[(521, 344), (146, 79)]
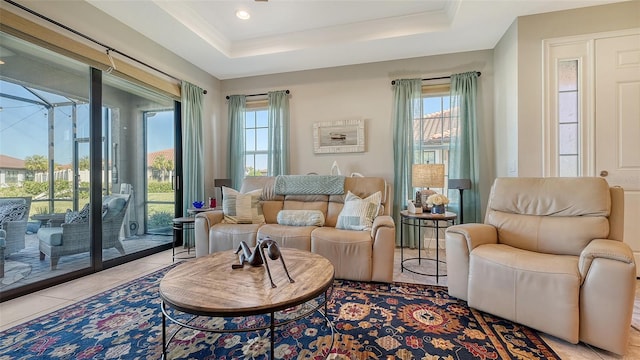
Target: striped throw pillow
[(357, 213), (241, 208)]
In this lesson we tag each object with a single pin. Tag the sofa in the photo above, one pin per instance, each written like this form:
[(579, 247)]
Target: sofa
[(364, 254), (549, 255), (74, 236)]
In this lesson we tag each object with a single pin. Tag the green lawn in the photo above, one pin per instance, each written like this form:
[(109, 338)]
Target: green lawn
[(159, 214)]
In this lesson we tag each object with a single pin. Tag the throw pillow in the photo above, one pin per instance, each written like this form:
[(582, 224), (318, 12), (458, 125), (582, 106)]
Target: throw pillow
[(301, 217), (105, 210), (70, 215), (242, 208), (12, 211), (80, 217), (357, 213)]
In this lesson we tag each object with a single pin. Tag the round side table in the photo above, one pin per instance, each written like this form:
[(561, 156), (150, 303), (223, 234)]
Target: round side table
[(418, 222), (181, 224)]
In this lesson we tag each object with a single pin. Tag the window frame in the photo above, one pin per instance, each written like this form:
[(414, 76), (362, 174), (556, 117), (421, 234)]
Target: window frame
[(555, 51), (254, 107), (437, 154)]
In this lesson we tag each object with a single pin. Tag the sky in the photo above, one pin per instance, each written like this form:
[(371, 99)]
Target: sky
[(23, 129)]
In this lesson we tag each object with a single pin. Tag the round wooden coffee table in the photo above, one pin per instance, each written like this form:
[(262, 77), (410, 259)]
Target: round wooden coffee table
[(208, 286)]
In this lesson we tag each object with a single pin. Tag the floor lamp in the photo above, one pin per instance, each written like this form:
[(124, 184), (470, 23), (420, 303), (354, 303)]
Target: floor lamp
[(219, 183), (461, 185)]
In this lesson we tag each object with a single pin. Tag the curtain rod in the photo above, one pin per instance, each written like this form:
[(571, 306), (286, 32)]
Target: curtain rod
[(393, 82), (109, 48), (265, 94)]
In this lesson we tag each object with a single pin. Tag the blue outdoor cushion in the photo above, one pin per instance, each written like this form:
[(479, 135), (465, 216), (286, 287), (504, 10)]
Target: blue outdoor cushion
[(50, 235)]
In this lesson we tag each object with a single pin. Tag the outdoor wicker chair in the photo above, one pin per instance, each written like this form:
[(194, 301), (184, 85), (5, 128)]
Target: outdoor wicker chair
[(15, 229), (75, 238)]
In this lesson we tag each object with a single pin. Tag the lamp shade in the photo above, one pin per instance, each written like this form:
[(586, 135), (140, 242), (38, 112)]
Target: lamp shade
[(462, 184), (428, 175)]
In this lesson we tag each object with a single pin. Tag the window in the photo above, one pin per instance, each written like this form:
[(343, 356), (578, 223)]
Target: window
[(566, 107), (256, 131), (432, 131), (568, 115), (12, 176)]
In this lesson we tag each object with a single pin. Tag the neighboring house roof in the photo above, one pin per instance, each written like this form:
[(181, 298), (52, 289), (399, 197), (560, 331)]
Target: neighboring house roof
[(167, 153), (436, 128), (8, 162)]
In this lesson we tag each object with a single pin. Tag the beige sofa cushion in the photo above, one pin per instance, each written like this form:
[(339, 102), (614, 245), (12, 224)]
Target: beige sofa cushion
[(540, 290), (350, 251), (553, 215), (551, 196), (228, 236), (297, 237), (548, 234)]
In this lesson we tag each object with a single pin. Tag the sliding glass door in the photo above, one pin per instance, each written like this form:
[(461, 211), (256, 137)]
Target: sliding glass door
[(73, 168), (130, 109), (160, 176)]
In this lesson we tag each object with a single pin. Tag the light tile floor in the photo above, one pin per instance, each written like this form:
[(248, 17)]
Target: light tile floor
[(31, 306)]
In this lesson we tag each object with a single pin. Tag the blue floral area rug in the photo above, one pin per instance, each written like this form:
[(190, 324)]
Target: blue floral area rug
[(371, 321)]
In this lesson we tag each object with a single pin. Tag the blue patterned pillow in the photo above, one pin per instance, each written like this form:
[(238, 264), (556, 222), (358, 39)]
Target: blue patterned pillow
[(12, 211), (79, 217)]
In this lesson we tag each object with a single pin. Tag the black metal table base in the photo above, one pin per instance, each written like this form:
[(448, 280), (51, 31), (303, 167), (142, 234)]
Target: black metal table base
[(273, 323), (418, 223), (178, 232), (438, 275)]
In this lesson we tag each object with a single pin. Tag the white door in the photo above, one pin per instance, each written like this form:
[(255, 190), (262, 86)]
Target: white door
[(617, 125)]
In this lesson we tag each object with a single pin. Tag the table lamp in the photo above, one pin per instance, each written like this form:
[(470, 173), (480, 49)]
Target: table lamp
[(461, 185), (427, 176)]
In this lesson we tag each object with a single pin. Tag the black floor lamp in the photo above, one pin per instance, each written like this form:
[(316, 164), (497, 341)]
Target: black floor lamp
[(219, 183), (461, 185)]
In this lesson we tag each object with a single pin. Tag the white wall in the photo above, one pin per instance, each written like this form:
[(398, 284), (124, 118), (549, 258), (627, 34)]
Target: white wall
[(363, 91), (505, 64)]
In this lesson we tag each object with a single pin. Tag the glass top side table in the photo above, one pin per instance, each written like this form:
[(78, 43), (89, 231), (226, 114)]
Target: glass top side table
[(418, 222)]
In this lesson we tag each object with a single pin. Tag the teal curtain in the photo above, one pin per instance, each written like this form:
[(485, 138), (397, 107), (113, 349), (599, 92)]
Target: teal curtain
[(406, 108), (236, 163), (192, 160), (278, 152), (463, 148)]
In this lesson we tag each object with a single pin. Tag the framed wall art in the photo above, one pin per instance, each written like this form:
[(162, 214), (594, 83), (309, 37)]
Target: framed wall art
[(340, 136)]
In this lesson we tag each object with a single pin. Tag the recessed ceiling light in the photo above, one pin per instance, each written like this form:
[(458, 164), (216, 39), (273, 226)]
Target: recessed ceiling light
[(243, 14)]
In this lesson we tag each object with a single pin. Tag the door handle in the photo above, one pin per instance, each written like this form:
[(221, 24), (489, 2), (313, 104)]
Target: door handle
[(604, 173)]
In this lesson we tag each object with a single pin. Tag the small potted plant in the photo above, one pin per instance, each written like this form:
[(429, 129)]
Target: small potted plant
[(437, 202)]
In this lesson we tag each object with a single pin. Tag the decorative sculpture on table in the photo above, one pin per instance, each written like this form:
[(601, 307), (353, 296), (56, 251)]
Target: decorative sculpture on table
[(258, 258)]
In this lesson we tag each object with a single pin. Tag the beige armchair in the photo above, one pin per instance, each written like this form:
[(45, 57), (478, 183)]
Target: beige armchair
[(550, 256)]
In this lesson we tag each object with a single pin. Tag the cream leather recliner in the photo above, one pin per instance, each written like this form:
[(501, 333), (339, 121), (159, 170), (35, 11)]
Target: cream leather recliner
[(550, 256)]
